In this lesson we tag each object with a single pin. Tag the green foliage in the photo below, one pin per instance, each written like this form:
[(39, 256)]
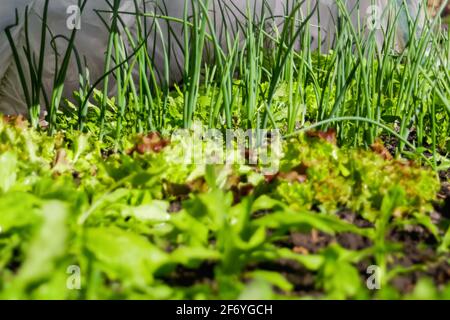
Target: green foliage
[(64, 203), (86, 196)]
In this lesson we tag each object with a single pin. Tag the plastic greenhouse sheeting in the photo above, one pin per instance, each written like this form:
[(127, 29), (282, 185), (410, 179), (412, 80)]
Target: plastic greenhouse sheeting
[(91, 40)]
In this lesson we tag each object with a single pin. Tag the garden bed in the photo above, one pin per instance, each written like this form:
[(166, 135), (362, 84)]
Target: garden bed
[(110, 194), (138, 224)]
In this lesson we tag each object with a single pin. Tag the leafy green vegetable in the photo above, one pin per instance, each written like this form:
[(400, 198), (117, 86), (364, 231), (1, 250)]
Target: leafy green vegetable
[(121, 224)]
